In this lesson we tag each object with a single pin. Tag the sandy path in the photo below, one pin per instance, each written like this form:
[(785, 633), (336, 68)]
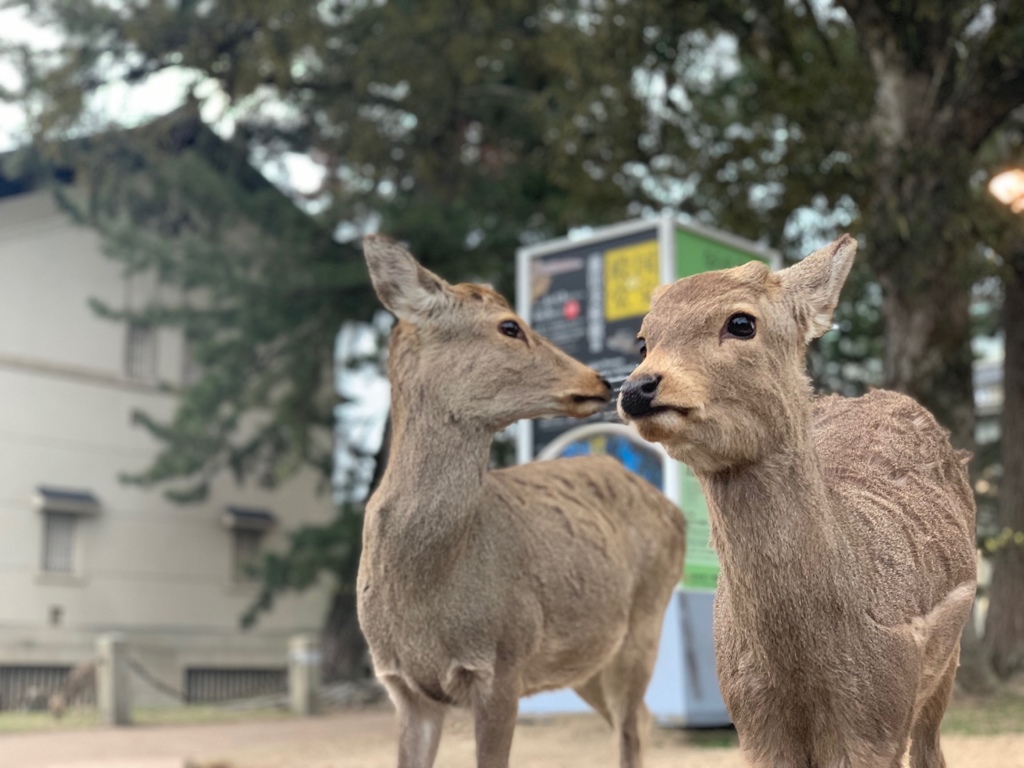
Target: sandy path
[(366, 739)]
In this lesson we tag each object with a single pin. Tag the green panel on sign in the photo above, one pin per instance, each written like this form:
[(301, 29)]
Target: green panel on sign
[(701, 568), (695, 253)]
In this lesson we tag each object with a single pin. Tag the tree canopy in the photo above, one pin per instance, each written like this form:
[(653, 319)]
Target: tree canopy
[(466, 128)]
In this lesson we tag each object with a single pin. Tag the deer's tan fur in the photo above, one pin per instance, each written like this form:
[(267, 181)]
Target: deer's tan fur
[(80, 681), (845, 527), (477, 587)]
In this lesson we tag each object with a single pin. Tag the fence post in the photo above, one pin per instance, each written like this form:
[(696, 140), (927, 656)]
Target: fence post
[(112, 691), (304, 661)]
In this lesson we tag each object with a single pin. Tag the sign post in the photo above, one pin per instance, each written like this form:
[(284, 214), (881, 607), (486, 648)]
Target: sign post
[(589, 297)]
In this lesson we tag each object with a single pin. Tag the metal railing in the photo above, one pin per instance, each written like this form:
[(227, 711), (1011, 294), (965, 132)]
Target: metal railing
[(29, 687), (211, 685)]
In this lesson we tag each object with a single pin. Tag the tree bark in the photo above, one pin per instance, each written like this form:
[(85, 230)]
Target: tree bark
[(928, 356), (1004, 629), (928, 352), (344, 647), (920, 205)]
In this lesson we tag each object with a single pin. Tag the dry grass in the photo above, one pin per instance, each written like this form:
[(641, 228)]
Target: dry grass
[(77, 719), (1002, 712)]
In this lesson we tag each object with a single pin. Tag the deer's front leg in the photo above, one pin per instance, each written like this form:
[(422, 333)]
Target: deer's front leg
[(494, 715), (419, 725)]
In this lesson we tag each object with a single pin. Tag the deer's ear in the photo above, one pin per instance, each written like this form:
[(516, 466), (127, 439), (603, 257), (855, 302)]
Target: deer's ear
[(411, 292), (814, 284)]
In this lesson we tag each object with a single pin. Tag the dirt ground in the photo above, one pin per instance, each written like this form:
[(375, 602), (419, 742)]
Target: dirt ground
[(366, 739)]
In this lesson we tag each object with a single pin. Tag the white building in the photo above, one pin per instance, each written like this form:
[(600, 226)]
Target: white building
[(81, 553)]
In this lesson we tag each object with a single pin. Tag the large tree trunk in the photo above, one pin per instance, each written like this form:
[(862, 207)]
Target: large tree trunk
[(930, 116), (1004, 630), (920, 205), (916, 217), (928, 356), (344, 647), (928, 352)]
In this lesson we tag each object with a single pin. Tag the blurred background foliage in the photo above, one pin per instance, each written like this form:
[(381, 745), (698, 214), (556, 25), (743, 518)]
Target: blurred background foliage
[(468, 128)]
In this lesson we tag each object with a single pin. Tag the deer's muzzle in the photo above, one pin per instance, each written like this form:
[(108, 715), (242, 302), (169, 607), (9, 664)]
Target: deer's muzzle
[(636, 399)]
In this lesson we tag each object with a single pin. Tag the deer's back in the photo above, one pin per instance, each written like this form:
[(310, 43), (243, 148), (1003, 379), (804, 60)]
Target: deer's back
[(901, 495), (595, 502), (584, 526), (600, 547)]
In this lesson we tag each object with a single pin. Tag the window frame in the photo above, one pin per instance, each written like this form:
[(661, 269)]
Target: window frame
[(46, 562), (141, 352), (243, 558)]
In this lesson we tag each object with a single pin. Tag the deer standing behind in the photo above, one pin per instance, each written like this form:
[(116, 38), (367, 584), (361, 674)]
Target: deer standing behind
[(845, 527), (477, 587), (81, 681)]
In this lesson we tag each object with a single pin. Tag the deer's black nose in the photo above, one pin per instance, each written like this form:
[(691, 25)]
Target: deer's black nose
[(637, 395)]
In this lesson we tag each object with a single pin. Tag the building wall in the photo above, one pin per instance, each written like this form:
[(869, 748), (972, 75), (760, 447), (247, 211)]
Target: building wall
[(161, 573)]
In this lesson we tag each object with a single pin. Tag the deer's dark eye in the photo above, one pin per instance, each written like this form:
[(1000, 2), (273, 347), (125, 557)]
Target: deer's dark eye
[(741, 326), (642, 344), (511, 329)]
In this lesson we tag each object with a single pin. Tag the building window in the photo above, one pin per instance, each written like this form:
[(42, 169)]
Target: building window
[(140, 352), (62, 510), (59, 542), (248, 527), (247, 553), (191, 371)]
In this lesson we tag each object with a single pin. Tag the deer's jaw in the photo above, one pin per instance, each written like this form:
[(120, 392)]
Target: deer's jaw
[(663, 425), (682, 434)]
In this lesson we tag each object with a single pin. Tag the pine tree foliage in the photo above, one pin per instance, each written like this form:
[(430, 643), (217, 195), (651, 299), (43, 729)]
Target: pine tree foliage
[(442, 121), (257, 288), (465, 127)]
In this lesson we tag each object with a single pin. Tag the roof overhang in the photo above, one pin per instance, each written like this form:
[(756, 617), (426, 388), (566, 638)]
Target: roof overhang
[(248, 518), (68, 501)]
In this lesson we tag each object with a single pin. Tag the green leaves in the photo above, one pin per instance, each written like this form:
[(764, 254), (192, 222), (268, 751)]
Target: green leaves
[(256, 287), (467, 128)]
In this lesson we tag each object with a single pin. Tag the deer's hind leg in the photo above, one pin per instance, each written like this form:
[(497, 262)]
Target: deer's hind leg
[(419, 725), (938, 636), (925, 751), (495, 707), (592, 692), (624, 683), (634, 726), (629, 719)]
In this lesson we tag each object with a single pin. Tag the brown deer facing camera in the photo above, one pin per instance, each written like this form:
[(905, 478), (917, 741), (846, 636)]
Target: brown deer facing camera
[(477, 587), (845, 527)]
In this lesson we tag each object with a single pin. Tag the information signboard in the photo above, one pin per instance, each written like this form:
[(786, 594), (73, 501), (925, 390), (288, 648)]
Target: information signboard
[(590, 301), (589, 296)]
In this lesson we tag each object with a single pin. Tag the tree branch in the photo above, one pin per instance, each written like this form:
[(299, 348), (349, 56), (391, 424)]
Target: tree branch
[(821, 33), (999, 92)]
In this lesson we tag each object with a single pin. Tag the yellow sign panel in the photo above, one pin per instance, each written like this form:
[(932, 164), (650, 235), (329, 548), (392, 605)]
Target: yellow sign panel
[(631, 274)]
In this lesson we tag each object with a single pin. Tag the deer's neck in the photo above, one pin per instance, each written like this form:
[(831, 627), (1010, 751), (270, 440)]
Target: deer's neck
[(775, 531), (432, 485)]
